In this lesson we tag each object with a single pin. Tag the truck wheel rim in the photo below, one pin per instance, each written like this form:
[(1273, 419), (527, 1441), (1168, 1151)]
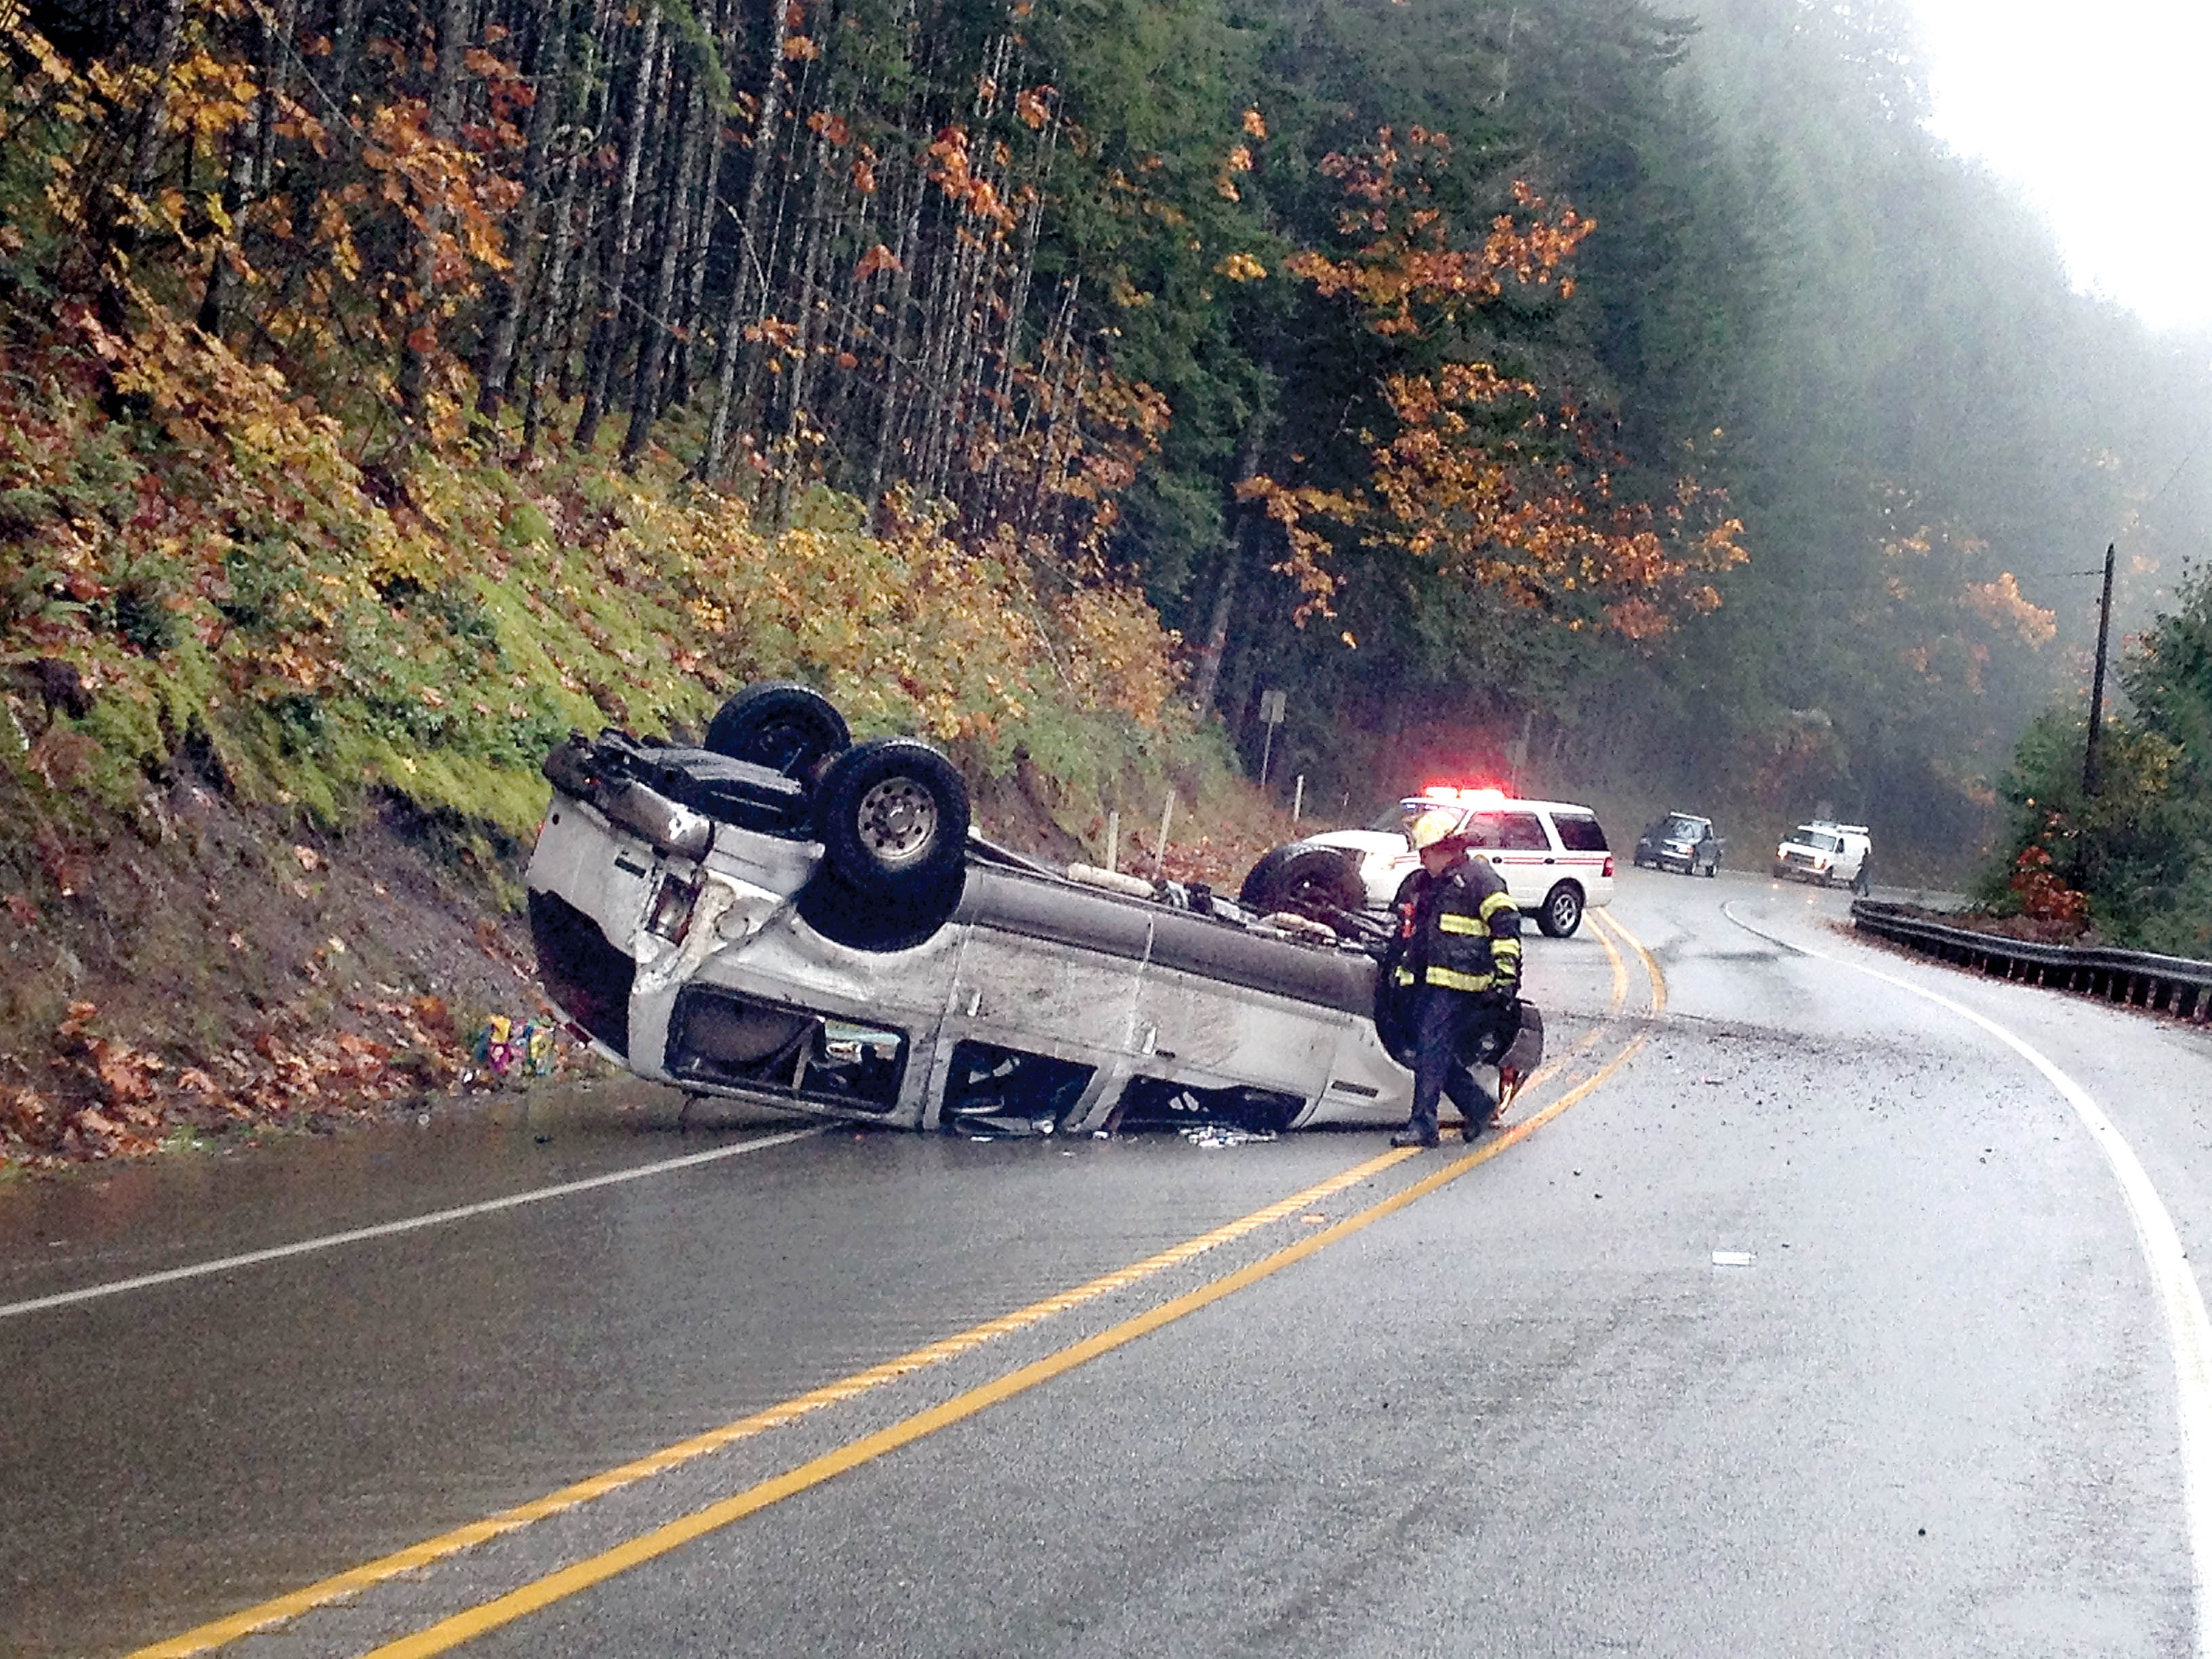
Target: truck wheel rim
[(897, 821)]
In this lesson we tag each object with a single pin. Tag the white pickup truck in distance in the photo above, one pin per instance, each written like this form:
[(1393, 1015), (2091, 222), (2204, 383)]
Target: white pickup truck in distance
[(1832, 854)]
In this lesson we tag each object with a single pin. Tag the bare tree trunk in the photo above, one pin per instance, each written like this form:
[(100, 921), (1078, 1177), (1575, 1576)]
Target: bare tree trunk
[(345, 45), (445, 113), (653, 335), (551, 77), (253, 160), (146, 146), (237, 191), (1055, 355), (1242, 523), (951, 339), (846, 339), (758, 349), (614, 267), (798, 382), (553, 344), (701, 243), (553, 303), (894, 352), (278, 33), (746, 272)]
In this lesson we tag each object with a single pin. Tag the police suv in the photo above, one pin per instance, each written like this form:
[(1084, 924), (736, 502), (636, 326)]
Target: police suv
[(1553, 855)]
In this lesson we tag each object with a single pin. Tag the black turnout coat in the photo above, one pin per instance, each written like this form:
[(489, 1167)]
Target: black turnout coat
[(1461, 930)]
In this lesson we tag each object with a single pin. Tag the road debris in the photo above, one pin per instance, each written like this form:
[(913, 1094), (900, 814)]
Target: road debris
[(1209, 1136)]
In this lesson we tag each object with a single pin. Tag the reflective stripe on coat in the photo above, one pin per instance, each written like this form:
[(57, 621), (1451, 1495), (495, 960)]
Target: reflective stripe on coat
[(1460, 930)]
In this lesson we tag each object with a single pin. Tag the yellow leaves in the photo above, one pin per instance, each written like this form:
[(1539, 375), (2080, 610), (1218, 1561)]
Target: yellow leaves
[(1306, 562), (1241, 268), (1636, 617), (2001, 603), (1238, 160), (1254, 126), (1408, 259), (799, 49), (782, 335), (1031, 107)]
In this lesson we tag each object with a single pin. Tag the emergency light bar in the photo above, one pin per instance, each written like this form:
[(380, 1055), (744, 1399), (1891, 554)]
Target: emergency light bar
[(1485, 796)]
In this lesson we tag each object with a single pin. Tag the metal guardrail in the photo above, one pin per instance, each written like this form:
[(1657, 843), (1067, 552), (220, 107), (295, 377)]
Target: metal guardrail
[(2142, 979)]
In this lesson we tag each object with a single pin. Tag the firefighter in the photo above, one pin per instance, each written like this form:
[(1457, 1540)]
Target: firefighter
[(1457, 959)]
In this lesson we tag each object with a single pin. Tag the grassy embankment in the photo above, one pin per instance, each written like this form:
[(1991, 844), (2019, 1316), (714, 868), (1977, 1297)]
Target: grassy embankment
[(274, 720)]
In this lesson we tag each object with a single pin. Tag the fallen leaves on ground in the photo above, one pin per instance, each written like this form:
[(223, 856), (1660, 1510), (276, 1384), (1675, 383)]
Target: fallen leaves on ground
[(108, 1098)]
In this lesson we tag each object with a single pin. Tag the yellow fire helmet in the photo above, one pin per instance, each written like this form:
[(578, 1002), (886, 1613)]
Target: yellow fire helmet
[(1432, 827)]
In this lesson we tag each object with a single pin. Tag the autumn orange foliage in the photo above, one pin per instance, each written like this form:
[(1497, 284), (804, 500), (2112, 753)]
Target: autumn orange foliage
[(2043, 896), (1477, 475)]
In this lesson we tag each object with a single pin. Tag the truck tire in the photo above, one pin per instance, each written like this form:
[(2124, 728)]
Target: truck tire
[(891, 814), (1316, 881), (1562, 911), (786, 727)]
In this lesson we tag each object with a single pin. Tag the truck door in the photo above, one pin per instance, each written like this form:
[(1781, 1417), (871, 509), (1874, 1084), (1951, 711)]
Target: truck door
[(1523, 856)]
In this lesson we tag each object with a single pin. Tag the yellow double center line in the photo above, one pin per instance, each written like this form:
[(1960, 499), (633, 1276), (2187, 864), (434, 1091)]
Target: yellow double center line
[(568, 1580)]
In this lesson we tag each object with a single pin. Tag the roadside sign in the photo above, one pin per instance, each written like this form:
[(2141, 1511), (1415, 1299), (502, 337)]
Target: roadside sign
[(1271, 716)]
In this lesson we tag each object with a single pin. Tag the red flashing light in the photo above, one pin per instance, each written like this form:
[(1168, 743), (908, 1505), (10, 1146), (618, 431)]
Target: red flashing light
[(1482, 794)]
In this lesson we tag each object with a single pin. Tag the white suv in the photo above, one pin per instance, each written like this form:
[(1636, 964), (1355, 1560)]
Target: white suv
[(1833, 854), (1552, 854)]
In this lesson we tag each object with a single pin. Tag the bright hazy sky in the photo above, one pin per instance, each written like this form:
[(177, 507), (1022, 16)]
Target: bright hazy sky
[(2103, 113)]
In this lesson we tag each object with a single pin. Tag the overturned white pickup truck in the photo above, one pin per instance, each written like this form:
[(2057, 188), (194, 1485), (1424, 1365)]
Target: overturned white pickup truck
[(785, 915)]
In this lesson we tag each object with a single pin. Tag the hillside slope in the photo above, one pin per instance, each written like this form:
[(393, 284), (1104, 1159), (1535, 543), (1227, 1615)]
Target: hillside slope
[(276, 719)]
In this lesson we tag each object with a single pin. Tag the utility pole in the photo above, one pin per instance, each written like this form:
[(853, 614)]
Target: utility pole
[(2097, 680)]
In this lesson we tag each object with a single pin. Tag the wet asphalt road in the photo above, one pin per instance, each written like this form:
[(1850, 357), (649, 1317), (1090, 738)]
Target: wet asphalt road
[(1524, 1414)]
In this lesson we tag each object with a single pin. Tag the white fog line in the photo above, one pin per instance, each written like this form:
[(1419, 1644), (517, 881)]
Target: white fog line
[(387, 1229), (2186, 1326)]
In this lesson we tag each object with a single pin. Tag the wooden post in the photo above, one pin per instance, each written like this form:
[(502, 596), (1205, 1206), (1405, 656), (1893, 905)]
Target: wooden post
[(2089, 780), (1160, 853), (1113, 836), (1298, 798)]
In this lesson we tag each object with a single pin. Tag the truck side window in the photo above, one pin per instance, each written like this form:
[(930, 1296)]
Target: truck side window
[(1009, 1090), (1522, 832), (1579, 832)]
